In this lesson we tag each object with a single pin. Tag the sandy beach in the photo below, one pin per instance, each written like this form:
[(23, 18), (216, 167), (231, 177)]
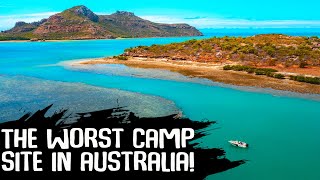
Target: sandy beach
[(216, 73)]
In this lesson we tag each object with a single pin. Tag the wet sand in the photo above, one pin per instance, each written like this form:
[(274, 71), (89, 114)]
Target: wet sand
[(215, 73)]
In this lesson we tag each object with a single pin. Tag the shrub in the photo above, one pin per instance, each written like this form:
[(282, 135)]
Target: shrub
[(260, 72), (121, 57), (241, 68), (238, 68), (270, 50), (269, 74), (279, 76), (227, 67), (190, 42), (251, 70), (311, 80), (303, 64), (248, 50), (267, 70)]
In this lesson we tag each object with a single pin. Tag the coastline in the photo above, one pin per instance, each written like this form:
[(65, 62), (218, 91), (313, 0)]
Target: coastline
[(60, 40), (210, 71), (38, 41), (118, 38)]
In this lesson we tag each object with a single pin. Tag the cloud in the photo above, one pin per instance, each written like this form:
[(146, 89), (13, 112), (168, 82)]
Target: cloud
[(197, 17), (206, 22), (8, 21)]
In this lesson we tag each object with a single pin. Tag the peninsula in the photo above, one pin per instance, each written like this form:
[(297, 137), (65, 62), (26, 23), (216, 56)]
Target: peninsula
[(79, 22), (269, 61)]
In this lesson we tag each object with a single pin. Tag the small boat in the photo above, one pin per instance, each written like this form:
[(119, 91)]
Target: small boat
[(239, 144)]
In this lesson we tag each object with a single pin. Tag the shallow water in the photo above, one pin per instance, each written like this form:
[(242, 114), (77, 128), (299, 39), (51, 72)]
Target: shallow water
[(282, 130), (28, 94)]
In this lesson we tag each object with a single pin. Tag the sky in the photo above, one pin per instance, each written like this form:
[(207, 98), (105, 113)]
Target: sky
[(199, 13)]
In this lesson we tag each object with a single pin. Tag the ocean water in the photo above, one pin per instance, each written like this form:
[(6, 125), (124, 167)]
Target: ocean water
[(253, 31), (21, 94), (282, 128)]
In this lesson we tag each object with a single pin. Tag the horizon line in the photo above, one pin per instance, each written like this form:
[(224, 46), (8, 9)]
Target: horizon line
[(8, 21)]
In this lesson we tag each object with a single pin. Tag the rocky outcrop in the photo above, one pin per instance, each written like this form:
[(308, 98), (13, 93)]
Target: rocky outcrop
[(80, 22), (76, 23), (84, 11), (130, 25), (21, 27), (38, 23)]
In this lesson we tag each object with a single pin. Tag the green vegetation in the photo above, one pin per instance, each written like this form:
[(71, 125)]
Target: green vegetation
[(121, 57), (311, 80), (258, 71), (268, 49), (227, 67), (265, 71), (279, 76), (12, 38), (249, 69), (237, 67), (271, 73), (15, 36)]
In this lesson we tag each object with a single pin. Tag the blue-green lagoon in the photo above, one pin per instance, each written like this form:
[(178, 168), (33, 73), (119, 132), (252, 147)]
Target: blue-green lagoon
[(281, 127)]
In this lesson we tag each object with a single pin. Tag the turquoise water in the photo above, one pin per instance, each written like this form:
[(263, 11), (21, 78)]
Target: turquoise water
[(254, 31), (283, 131)]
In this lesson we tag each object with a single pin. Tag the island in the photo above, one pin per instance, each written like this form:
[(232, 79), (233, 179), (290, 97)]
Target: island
[(274, 61), (79, 22)]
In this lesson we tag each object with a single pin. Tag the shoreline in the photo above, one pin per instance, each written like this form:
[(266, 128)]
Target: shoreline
[(61, 40), (118, 38), (36, 41), (211, 71)]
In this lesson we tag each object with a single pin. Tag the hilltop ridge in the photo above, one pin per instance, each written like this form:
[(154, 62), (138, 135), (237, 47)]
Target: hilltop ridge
[(80, 22)]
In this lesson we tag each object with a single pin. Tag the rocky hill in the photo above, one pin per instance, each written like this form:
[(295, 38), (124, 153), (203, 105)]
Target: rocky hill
[(80, 22)]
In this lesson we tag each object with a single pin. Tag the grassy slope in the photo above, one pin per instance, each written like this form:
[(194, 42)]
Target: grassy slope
[(272, 49)]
